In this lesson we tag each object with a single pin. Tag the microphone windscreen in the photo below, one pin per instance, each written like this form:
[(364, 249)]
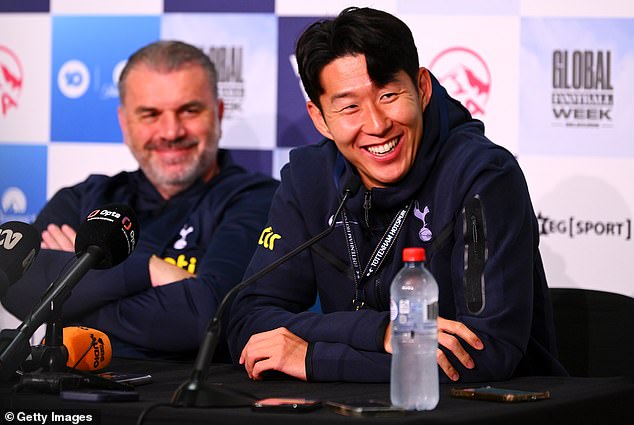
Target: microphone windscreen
[(19, 244), (352, 184), (92, 344), (114, 229)]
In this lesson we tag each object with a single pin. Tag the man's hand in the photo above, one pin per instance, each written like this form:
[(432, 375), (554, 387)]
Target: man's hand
[(447, 332), (59, 238), (279, 350), (163, 273)]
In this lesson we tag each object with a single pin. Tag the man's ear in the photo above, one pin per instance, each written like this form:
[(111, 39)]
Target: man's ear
[(424, 87), (220, 104), (123, 124), (318, 119)]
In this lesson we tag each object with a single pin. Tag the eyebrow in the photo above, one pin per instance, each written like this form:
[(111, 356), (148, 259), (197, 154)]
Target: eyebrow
[(193, 103), (143, 109), (341, 95)]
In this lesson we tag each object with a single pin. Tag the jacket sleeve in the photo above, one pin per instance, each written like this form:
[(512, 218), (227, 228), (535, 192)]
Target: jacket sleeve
[(174, 317), (170, 318), (510, 242), (282, 298), (95, 289)]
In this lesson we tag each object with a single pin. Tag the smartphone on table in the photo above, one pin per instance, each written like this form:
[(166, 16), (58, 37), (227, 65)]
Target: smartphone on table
[(99, 395), (285, 404), (133, 379), (499, 394), (365, 408)]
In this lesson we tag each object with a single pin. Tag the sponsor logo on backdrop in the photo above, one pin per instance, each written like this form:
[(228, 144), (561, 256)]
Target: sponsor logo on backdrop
[(229, 62), (11, 79), (14, 206), (74, 79), (582, 95), (110, 89), (573, 227), (465, 75)]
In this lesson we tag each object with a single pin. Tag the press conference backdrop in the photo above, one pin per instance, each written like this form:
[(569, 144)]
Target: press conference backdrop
[(552, 80)]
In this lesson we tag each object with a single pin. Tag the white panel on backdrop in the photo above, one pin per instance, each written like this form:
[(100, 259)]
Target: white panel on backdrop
[(460, 7), (25, 82), (577, 98), (112, 7), (589, 8), (280, 157), (244, 48), (584, 208), (477, 61), (70, 163), (329, 7)]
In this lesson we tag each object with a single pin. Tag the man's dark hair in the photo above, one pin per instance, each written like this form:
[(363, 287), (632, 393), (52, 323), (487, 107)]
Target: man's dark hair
[(168, 56), (385, 40)]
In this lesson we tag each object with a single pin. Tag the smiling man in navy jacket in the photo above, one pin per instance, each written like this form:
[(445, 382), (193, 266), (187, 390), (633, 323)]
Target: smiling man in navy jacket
[(420, 155), (199, 214)]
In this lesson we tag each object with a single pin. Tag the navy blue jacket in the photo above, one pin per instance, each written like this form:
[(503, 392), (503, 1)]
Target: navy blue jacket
[(472, 212), (210, 229)]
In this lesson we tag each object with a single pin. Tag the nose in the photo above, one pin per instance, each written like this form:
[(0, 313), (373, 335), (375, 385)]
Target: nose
[(171, 127), (375, 121)]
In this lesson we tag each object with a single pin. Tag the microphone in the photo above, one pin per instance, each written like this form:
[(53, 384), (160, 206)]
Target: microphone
[(19, 244), (88, 349), (108, 235), (196, 392), (105, 239)]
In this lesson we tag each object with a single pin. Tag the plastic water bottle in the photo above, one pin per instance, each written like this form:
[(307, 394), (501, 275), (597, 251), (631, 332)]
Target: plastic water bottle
[(414, 318)]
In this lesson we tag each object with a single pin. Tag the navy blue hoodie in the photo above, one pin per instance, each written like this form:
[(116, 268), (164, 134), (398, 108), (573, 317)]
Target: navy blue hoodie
[(210, 229), (472, 212)]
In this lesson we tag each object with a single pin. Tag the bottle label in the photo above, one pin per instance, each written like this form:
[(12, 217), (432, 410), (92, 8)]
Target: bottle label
[(408, 316), (432, 311), (411, 315), (393, 309)]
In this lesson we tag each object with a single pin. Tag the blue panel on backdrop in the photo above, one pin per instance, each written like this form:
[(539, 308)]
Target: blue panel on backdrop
[(24, 6), (254, 160), (251, 6), (88, 54), (294, 127), (22, 182)]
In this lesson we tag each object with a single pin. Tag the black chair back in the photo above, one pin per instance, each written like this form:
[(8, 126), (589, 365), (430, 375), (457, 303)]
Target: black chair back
[(595, 331)]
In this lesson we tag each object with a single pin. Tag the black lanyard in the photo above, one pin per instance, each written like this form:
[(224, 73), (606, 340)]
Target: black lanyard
[(381, 251)]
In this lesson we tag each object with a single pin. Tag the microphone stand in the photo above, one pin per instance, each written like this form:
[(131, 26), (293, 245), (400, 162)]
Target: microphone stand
[(196, 392), (14, 344), (55, 354)]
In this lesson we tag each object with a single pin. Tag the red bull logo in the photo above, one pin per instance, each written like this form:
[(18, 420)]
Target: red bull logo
[(11, 79), (466, 77)]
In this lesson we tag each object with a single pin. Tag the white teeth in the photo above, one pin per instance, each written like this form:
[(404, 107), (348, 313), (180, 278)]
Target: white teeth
[(383, 149)]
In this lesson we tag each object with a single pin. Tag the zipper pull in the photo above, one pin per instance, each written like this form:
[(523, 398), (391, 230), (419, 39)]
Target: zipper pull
[(367, 204)]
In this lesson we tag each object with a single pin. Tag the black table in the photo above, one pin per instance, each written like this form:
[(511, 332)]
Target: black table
[(573, 401)]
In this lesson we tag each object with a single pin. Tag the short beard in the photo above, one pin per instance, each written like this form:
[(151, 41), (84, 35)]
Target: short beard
[(186, 177)]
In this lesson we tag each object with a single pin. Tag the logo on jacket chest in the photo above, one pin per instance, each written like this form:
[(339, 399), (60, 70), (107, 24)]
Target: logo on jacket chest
[(424, 233), (181, 243), (268, 238), (188, 263)]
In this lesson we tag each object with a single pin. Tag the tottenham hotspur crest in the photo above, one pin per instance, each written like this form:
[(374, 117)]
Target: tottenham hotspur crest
[(424, 233), (184, 232)]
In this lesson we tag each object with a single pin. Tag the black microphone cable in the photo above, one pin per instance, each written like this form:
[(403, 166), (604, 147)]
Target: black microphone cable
[(195, 392)]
